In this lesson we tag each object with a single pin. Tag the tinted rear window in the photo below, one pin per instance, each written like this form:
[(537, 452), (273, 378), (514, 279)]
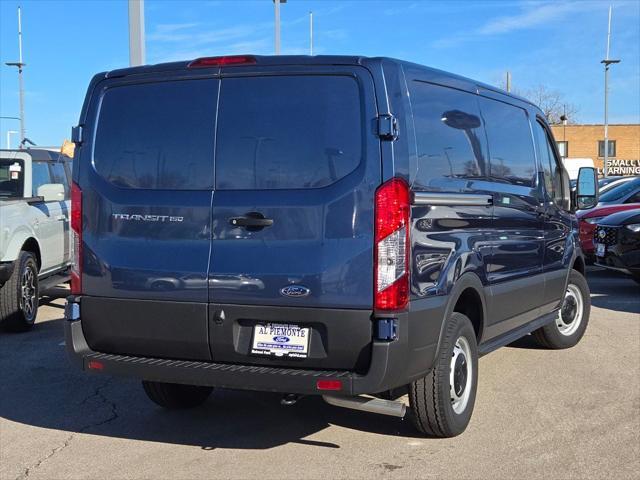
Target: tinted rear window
[(287, 132), (510, 142), (158, 135)]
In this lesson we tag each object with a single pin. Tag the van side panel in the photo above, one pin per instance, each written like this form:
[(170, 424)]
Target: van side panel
[(448, 238)]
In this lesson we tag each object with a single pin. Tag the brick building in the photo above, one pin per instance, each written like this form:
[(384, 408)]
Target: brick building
[(587, 141)]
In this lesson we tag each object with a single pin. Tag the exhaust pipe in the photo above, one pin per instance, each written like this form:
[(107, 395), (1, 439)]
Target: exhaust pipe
[(366, 404)]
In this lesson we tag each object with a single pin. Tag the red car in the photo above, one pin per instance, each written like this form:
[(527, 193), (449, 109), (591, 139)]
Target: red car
[(587, 222)]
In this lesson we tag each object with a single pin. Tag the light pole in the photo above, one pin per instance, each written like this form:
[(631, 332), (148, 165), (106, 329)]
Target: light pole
[(9, 133), (276, 4), (310, 33), (19, 65), (606, 63), (136, 33)]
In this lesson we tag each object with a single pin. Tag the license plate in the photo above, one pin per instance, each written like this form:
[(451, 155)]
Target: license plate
[(600, 249), (280, 340)]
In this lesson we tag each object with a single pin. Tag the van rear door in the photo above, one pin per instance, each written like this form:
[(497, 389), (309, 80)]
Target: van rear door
[(297, 165), (147, 187)]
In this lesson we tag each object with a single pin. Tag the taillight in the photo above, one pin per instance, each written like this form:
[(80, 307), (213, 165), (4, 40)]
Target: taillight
[(329, 385), (206, 62), (76, 228), (392, 209)]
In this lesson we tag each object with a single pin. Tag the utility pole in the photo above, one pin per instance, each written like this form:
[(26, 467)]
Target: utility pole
[(310, 33), (136, 33), (606, 63), (20, 65), (509, 82), (276, 4)]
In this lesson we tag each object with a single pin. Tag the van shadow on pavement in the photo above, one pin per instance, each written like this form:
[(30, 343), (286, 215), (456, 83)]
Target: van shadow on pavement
[(40, 388)]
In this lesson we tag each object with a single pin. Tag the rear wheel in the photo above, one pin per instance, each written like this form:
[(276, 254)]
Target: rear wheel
[(19, 295), (442, 402), (176, 396), (573, 317)]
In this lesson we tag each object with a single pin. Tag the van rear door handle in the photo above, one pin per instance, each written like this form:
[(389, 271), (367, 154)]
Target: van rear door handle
[(251, 221)]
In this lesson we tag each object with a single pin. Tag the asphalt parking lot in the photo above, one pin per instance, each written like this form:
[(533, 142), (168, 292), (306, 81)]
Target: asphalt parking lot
[(539, 414)]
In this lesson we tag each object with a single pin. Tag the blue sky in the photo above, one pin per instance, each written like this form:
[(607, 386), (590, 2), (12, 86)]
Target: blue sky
[(558, 44)]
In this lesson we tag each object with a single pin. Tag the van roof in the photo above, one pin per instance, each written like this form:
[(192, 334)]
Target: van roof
[(277, 60)]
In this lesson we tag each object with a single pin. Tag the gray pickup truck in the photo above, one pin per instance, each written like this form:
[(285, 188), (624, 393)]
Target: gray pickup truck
[(34, 231)]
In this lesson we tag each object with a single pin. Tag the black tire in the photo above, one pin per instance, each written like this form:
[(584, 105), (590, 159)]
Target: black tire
[(551, 335), (18, 314), (175, 396), (636, 277), (430, 398)]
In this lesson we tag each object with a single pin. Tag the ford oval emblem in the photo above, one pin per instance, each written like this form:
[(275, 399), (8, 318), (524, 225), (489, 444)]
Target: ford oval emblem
[(281, 339), (294, 291)]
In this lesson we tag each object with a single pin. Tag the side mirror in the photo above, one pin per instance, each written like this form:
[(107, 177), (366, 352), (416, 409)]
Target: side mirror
[(51, 192), (587, 188)]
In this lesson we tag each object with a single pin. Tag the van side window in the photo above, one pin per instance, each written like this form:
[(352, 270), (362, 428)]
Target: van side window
[(157, 135), (450, 139), (549, 164), (287, 132), (39, 176), (510, 142)]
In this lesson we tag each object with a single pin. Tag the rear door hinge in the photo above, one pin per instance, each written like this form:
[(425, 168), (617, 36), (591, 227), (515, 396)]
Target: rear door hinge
[(387, 126), (76, 134)]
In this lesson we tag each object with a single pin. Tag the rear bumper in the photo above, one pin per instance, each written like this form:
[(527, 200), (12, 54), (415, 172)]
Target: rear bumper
[(6, 269), (387, 369)]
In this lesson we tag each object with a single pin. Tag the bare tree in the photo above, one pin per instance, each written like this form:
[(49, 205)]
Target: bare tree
[(551, 102)]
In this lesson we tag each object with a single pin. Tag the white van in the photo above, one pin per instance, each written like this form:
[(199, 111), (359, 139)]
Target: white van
[(573, 165)]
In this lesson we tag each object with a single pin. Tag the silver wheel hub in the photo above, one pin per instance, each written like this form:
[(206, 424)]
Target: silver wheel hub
[(570, 315), (460, 375), (28, 297)]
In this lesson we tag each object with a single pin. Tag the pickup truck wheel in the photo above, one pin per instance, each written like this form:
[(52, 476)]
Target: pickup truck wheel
[(442, 402), (19, 295), (176, 396), (569, 326)]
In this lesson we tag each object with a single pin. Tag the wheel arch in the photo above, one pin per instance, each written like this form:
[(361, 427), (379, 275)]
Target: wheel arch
[(467, 297), (579, 265), (31, 245)]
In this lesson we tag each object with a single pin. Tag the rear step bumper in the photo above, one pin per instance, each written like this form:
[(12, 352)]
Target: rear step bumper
[(387, 369)]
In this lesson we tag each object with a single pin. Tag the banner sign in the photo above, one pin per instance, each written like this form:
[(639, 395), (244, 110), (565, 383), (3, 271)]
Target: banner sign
[(622, 167)]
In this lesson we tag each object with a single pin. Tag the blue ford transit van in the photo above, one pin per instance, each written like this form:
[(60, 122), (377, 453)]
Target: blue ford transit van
[(357, 228)]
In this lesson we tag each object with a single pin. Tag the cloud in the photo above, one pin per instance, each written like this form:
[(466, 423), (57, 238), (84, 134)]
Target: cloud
[(532, 16), (186, 33), (168, 42), (400, 10), (336, 34), (174, 27)]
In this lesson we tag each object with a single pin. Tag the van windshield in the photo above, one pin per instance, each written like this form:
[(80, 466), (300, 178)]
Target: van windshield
[(287, 132)]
